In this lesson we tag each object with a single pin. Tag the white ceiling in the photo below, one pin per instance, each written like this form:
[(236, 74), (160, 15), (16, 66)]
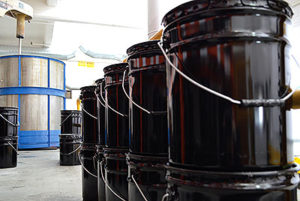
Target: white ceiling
[(35, 33), (63, 25), (101, 26)]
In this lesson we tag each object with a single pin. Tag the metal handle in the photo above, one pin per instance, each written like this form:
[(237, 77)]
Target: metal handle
[(13, 147), (71, 151), (98, 99), (15, 125), (243, 102), (106, 183), (112, 109), (88, 112), (79, 157), (134, 103), (66, 118), (138, 187), (94, 163), (165, 196)]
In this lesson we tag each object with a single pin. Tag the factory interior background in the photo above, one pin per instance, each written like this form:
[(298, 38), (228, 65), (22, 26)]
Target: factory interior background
[(88, 36)]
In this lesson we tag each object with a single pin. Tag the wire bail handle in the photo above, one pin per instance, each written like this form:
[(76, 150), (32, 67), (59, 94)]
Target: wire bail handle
[(98, 99), (66, 118), (106, 102), (165, 196), (138, 187), (71, 151), (243, 102), (134, 103), (14, 125), (106, 183), (88, 113), (14, 148), (82, 165)]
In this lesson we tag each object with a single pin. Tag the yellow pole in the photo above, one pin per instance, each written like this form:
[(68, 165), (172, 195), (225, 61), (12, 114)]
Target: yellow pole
[(296, 100), (157, 36), (78, 104)]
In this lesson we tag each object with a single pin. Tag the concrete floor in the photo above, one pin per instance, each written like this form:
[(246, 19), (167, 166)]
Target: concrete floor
[(39, 177)]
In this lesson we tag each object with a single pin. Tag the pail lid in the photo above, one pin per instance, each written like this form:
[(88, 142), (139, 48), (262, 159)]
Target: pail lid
[(99, 81), (144, 47), (192, 7), (8, 109), (90, 88), (115, 68)]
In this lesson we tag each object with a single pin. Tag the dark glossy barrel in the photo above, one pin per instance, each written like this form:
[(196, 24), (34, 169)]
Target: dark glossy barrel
[(71, 122), (239, 49), (100, 171), (187, 185), (8, 152), (147, 81), (90, 140), (116, 125), (117, 132), (69, 149), (89, 115), (116, 173), (89, 182), (101, 132), (149, 172), (8, 137), (101, 109)]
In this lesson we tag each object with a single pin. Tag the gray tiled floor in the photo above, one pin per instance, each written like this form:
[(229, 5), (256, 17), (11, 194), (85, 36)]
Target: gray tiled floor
[(39, 177)]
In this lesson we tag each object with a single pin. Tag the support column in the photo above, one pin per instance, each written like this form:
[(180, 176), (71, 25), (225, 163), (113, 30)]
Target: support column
[(153, 17)]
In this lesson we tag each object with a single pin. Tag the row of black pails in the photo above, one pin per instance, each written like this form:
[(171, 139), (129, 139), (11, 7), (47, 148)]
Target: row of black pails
[(200, 116)]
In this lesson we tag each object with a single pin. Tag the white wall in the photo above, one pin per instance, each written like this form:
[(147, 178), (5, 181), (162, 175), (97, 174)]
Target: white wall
[(295, 72), (78, 76)]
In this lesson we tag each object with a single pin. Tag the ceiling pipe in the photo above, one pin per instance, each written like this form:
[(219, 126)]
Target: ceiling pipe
[(47, 19), (99, 55), (72, 88), (45, 52)]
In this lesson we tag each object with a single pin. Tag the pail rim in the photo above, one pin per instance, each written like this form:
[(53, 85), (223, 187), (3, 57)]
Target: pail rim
[(99, 81), (88, 88), (293, 168), (191, 7), (115, 68), (143, 47), (9, 108), (70, 111)]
